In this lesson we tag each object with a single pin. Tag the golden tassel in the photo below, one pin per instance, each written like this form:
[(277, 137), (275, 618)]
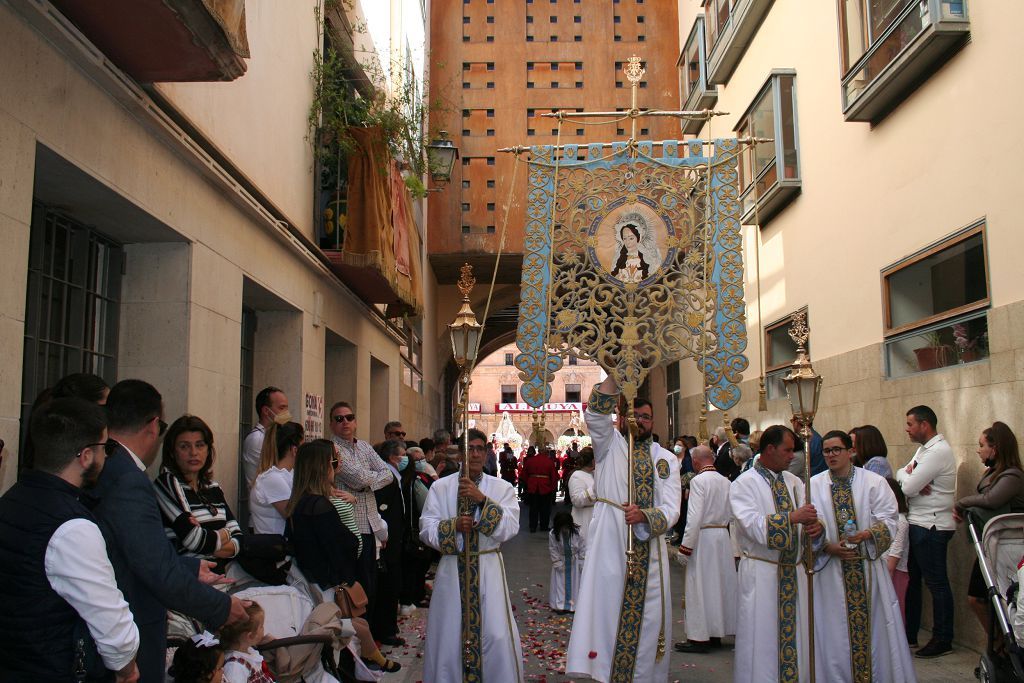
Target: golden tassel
[(762, 398), (702, 425)]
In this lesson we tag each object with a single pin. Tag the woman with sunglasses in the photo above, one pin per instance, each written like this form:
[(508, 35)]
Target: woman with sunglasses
[(196, 516), (325, 536), (273, 486)]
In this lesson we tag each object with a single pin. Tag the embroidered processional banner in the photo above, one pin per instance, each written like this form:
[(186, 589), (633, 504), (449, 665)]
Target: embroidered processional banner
[(632, 258)]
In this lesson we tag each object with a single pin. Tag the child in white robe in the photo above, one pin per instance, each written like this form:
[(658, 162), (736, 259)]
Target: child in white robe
[(567, 550)]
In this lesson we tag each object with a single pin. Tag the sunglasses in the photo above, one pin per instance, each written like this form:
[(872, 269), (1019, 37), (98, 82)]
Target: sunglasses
[(351, 417), (109, 446), (397, 434)]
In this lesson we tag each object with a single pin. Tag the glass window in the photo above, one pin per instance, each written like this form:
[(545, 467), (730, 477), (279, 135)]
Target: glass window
[(508, 393), (770, 171), (508, 358), (73, 303), (779, 347), (936, 306), (875, 33), (943, 281), (573, 393)]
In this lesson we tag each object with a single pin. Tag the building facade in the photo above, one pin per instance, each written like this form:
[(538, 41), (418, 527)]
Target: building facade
[(884, 208), (495, 391), (158, 208)]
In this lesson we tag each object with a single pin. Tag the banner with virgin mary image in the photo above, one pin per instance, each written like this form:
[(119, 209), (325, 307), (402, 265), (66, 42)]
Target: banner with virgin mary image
[(633, 258)]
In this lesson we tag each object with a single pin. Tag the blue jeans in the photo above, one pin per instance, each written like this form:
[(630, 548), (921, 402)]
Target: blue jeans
[(928, 561)]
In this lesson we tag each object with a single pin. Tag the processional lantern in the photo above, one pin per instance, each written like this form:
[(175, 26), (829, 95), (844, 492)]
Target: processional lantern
[(441, 156), (803, 384), (465, 330)]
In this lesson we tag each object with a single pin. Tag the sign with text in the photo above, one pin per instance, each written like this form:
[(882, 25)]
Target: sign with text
[(313, 423), (547, 407)]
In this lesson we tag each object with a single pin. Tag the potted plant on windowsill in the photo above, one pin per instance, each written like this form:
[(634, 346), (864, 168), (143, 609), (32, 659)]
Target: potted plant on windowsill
[(969, 348), (935, 354)]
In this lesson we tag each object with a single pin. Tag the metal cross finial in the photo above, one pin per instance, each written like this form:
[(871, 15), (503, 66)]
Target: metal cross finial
[(634, 70), (798, 331), (466, 280)]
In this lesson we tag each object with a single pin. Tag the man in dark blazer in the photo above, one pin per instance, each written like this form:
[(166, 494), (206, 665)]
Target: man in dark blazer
[(391, 506), (150, 573)]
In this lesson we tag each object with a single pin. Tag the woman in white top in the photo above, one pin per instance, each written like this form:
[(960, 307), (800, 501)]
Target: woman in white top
[(273, 486), (581, 491)]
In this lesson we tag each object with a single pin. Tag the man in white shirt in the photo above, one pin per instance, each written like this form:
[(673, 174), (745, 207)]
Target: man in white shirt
[(929, 484), (56, 573), (271, 406)]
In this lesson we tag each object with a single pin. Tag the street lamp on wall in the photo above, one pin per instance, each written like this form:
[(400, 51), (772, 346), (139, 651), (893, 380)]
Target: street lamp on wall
[(441, 156)]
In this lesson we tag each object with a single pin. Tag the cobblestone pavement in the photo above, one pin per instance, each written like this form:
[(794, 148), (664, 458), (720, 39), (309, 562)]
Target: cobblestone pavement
[(545, 634)]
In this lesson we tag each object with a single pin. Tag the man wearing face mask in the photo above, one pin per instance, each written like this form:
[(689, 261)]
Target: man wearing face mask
[(417, 557), (271, 406), (383, 617)]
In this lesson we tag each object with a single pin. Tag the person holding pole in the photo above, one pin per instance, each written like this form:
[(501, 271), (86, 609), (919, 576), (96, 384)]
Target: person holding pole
[(487, 648), (621, 636), (769, 505)]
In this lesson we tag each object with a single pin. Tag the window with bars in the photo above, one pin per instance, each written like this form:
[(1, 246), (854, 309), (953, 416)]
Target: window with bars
[(72, 309)]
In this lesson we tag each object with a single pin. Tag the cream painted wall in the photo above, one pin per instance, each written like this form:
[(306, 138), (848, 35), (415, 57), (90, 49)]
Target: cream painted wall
[(240, 116), (873, 195), (180, 322)]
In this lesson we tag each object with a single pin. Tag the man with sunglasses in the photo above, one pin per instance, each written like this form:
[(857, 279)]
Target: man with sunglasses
[(393, 430), (149, 570), (361, 473), (57, 585)]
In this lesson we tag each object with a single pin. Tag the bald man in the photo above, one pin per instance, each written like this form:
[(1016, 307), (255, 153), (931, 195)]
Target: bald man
[(711, 585)]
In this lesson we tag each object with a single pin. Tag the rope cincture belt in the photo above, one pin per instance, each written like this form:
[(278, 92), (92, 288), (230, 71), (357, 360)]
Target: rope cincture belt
[(486, 552), (609, 502), (715, 526), (775, 562)]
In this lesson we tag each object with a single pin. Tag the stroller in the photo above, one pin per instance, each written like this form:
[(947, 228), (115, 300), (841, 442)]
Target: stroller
[(999, 550)]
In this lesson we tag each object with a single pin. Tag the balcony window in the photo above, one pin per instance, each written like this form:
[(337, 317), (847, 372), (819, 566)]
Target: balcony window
[(730, 26), (694, 93), (770, 171), (936, 306), (888, 46)]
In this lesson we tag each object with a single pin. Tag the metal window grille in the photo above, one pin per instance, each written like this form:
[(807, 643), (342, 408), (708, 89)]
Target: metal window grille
[(72, 308)]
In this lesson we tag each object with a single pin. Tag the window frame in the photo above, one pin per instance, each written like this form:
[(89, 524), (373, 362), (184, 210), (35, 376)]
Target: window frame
[(700, 95), (784, 321), (960, 236), (514, 392), (733, 36), (942, 34), (783, 190)]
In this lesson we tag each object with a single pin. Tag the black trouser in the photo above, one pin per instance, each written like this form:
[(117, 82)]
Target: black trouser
[(414, 576), (384, 616), (366, 569), (540, 510)]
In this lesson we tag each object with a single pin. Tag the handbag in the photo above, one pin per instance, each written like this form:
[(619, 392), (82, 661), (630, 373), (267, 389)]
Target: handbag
[(264, 557), (351, 600)]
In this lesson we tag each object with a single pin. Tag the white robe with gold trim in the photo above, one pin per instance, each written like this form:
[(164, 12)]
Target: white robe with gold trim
[(501, 650), (595, 627), (885, 642), (711, 588), (759, 618)]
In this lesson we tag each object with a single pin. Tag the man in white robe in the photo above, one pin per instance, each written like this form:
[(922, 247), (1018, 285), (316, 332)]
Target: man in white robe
[(858, 629), (494, 654), (621, 626), (711, 588), (772, 516)]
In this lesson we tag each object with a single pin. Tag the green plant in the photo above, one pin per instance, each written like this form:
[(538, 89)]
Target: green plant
[(343, 100), (415, 186)]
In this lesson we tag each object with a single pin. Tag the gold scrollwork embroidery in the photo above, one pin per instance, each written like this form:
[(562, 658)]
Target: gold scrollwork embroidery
[(448, 538), (490, 517)]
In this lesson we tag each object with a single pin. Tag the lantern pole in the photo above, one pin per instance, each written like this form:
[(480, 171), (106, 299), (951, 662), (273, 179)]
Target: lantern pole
[(465, 335), (803, 385)]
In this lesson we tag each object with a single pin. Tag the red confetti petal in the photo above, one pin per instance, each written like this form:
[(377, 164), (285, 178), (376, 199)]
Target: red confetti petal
[(592, 654)]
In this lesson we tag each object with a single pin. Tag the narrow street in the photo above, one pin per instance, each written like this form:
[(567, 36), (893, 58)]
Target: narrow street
[(545, 635)]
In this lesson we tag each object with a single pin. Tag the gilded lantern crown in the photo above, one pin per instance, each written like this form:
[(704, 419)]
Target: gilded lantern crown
[(465, 330), (633, 70), (803, 385)]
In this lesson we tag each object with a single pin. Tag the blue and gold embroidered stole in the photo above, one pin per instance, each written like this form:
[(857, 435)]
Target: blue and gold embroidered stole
[(858, 613), (784, 537), (567, 554), (472, 623)]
